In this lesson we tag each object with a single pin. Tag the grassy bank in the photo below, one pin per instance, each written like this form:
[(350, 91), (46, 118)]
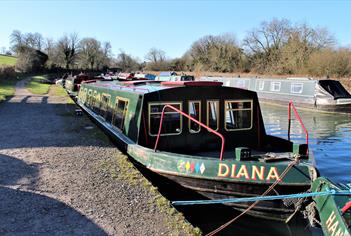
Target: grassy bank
[(129, 174), (7, 60), (57, 90), (7, 88), (36, 87)]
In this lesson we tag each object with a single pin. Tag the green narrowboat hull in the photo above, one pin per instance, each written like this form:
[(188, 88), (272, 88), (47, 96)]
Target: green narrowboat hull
[(216, 179), (333, 221)]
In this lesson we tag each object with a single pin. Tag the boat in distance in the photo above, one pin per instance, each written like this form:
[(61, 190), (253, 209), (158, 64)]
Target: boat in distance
[(320, 95), (203, 136)]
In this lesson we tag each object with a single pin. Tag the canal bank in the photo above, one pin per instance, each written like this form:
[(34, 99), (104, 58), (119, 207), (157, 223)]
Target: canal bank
[(60, 175)]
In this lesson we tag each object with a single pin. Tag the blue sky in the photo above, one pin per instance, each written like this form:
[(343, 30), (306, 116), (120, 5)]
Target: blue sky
[(137, 26)]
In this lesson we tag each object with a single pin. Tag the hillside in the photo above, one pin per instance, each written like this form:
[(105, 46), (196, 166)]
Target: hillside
[(7, 60)]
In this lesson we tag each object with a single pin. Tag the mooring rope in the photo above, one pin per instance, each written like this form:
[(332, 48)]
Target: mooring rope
[(262, 198), (291, 164)]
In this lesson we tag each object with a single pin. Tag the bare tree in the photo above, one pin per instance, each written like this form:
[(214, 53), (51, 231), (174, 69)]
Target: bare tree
[(90, 52), (68, 49), (21, 41), (216, 53), (17, 41), (155, 55), (107, 49), (126, 62), (270, 36), (3, 50), (264, 44), (107, 54)]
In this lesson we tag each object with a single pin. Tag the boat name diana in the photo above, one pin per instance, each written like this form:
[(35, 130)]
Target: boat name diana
[(251, 173)]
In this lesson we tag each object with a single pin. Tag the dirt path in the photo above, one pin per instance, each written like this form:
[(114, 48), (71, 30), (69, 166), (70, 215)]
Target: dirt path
[(60, 176)]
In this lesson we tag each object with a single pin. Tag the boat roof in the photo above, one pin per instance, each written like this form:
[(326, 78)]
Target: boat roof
[(150, 86)]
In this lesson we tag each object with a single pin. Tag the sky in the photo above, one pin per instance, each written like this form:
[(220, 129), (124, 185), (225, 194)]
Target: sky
[(172, 26)]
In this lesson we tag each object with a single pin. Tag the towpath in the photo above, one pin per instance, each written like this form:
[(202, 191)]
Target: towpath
[(59, 175)]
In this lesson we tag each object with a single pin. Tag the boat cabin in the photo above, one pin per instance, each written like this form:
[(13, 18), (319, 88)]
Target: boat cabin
[(134, 109), (73, 82), (326, 95), (173, 76)]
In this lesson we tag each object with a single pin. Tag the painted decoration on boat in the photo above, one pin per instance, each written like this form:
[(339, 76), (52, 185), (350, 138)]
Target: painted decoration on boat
[(190, 167)]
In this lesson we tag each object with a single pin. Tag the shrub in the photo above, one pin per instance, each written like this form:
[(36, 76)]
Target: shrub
[(7, 71)]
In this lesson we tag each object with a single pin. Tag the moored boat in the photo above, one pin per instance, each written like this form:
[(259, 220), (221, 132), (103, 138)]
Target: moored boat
[(320, 95), (202, 136), (173, 76), (334, 209), (73, 82)]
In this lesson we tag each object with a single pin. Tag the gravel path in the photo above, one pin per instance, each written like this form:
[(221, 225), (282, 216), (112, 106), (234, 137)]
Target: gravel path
[(60, 176)]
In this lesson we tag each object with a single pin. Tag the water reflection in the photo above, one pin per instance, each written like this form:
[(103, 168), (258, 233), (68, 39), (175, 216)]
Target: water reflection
[(329, 137)]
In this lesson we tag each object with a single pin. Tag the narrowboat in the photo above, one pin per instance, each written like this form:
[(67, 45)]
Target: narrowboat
[(173, 76), (203, 136), (125, 76), (335, 209), (72, 83), (320, 95), (143, 76)]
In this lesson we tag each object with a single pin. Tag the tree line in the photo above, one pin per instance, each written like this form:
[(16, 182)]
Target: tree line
[(274, 47)]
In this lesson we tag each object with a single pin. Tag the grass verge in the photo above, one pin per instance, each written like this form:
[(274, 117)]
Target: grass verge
[(121, 168), (7, 88), (7, 60), (57, 90), (36, 87)]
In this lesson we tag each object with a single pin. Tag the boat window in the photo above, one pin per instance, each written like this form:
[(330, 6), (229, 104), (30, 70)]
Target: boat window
[(238, 115), (240, 83), (296, 87), (260, 85), (96, 105), (90, 95), (172, 121), (93, 100), (105, 107), (194, 112), (213, 114), (81, 95), (120, 112), (84, 96), (275, 86)]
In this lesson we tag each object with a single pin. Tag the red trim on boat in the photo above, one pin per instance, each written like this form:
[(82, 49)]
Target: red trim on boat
[(192, 83), (89, 81), (346, 207), (134, 81)]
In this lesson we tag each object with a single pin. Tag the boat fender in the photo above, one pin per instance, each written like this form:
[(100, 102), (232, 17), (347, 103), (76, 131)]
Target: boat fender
[(346, 207)]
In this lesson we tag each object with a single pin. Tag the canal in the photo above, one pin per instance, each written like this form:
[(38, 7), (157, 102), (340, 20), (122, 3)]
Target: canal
[(330, 142), (329, 138)]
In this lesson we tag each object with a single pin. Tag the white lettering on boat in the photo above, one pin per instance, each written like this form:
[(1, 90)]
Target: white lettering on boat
[(247, 172), (332, 225)]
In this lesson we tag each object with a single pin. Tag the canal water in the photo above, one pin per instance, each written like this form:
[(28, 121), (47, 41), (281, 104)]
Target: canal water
[(330, 142), (329, 138)]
